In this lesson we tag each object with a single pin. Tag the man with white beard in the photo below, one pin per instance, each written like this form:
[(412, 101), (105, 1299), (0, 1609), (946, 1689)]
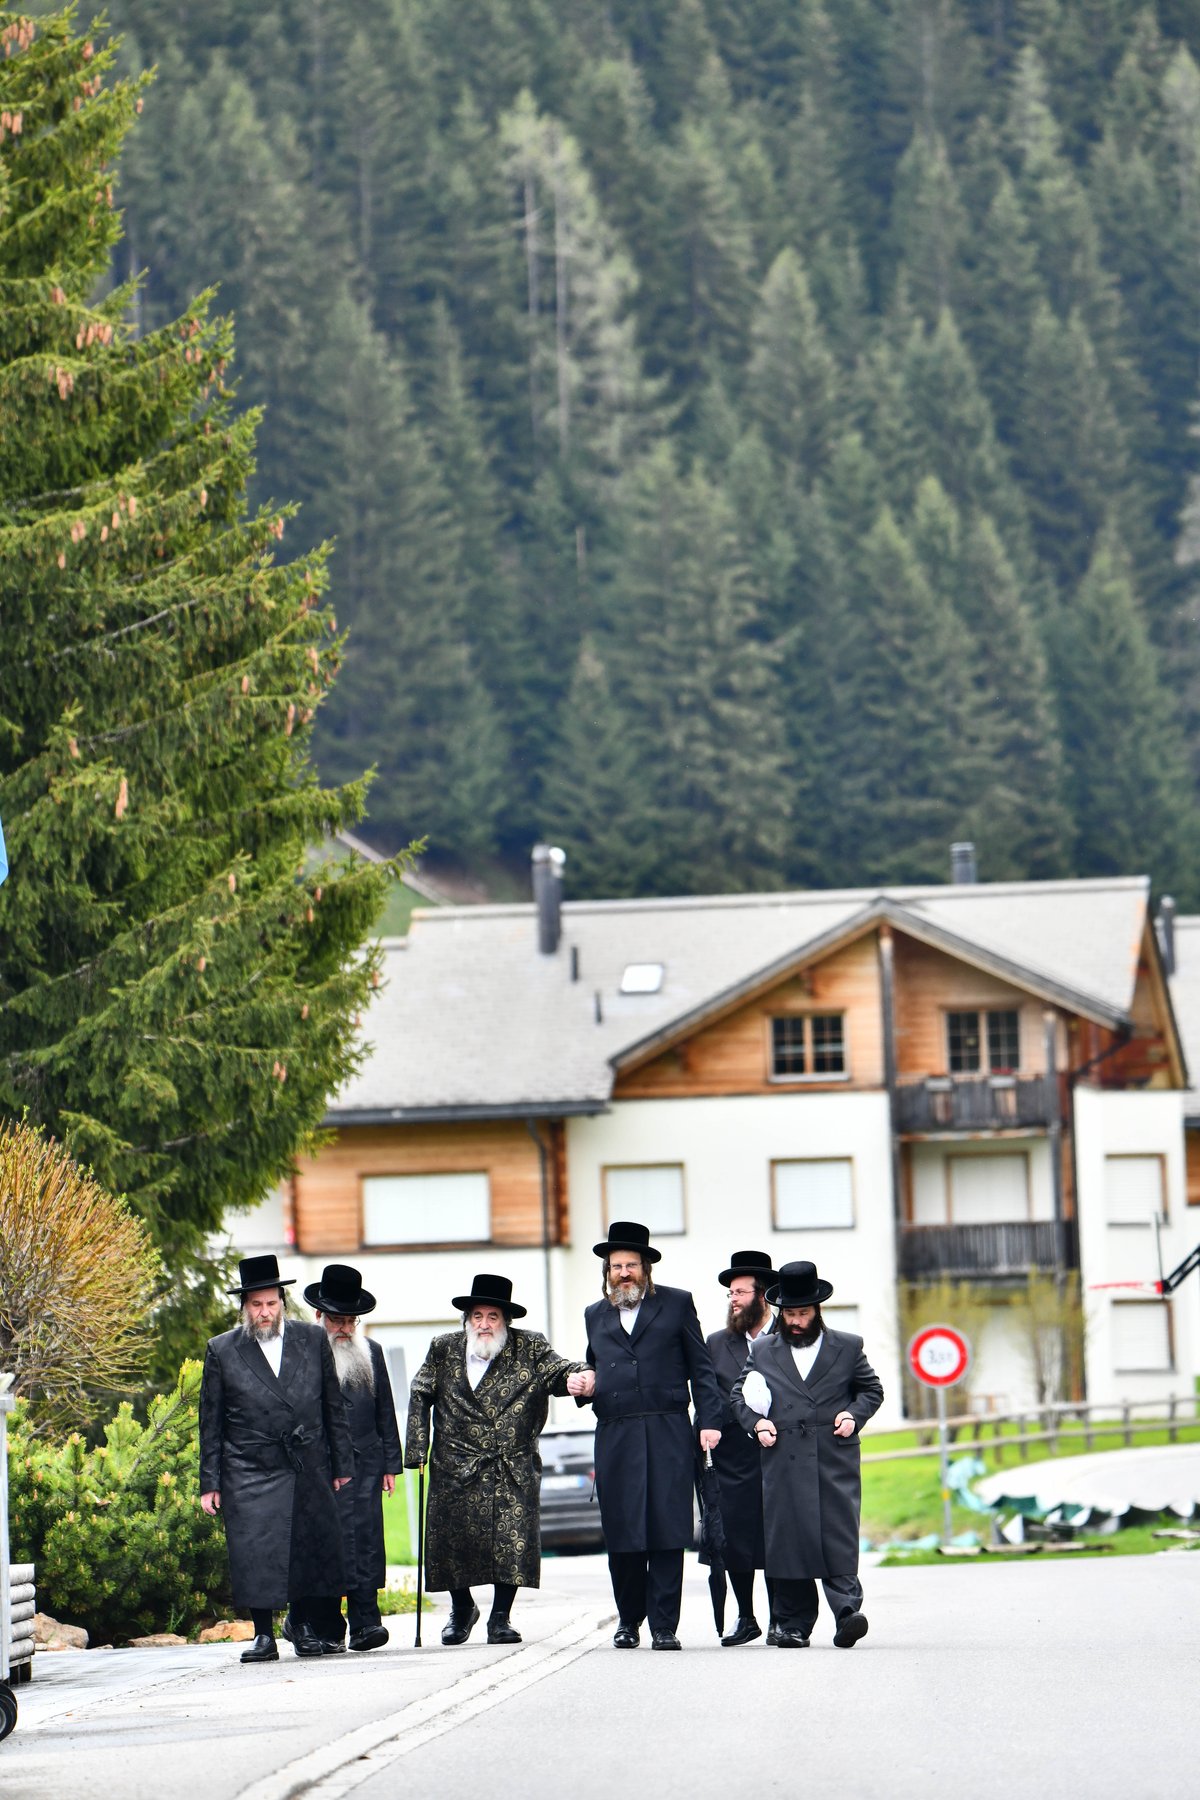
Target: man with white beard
[(487, 1388), (274, 1448), (340, 1300)]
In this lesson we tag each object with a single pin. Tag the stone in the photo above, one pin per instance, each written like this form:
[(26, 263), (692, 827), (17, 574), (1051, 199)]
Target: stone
[(158, 1640), (50, 1634), (227, 1631)]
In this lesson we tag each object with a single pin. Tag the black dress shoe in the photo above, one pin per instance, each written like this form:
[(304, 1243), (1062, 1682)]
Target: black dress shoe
[(772, 1633), (500, 1630), (744, 1632), (304, 1640), (458, 1627), (263, 1649), (332, 1646), (626, 1637), (664, 1640), (789, 1640), (851, 1626), (371, 1637)]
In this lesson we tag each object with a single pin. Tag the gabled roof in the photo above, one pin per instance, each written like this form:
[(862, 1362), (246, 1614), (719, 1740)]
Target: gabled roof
[(472, 1022)]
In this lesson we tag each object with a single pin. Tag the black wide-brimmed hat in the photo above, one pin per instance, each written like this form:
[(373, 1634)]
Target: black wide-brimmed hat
[(755, 1263), (490, 1290), (623, 1234), (259, 1272), (799, 1285), (340, 1290)]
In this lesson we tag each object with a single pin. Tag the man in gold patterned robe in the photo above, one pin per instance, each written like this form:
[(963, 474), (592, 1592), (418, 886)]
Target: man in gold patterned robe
[(488, 1387)]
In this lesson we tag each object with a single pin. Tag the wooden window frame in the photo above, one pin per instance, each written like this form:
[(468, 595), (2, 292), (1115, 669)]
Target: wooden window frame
[(1172, 1364), (982, 1012), (427, 1244), (656, 1231), (1158, 1156), (825, 1077), (790, 1161)]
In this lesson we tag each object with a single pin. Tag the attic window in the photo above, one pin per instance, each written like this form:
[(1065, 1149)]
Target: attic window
[(642, 978)]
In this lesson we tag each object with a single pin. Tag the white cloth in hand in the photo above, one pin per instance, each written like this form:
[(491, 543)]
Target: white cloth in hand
[(756, 1393)]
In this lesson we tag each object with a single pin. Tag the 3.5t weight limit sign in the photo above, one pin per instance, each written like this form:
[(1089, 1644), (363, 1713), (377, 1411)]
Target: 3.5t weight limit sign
[(939, 1356)]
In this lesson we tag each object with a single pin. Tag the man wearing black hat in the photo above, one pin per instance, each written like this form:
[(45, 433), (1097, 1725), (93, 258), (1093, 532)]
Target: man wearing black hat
[(340, 1300), (737, 1460), (645, 1347), (805, 1393), (274, 1448), (488, 1388)]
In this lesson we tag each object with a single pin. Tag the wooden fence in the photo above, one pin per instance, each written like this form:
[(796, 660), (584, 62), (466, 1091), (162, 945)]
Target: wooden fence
[(1051, 1425)]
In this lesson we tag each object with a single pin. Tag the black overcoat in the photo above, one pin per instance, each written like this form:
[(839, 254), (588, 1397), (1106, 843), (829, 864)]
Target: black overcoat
[(271, 1445), (812, 1489), (376, 1439), (737, 1461), (485, 1471), (645, 1461)]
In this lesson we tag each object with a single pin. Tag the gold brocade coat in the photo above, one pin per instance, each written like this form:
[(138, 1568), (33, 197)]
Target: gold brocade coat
[(484, 1470)]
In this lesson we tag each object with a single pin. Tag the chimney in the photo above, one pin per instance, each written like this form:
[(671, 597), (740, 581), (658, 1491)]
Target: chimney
[(547, 895), (962, 865), (1165, 925)]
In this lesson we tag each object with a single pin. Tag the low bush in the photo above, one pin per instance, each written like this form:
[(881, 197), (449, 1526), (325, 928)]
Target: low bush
[(117, 1532)]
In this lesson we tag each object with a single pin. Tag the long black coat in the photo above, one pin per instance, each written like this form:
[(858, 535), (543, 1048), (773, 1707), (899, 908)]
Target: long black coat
[(812, 1488), (645, 1460), (485, 1472), (377, 1452), (737, 1461), (271, 1445)]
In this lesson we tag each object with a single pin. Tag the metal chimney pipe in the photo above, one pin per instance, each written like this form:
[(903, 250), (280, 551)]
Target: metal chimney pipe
[(548, 863), (962, 864), (1165, 924)]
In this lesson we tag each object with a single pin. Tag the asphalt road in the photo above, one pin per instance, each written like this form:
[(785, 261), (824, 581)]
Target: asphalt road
[(1011, 1680)]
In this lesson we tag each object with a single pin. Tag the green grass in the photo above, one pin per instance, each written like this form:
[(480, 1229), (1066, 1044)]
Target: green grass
[(904, 1499), (397, 1548), (1135, 1540)]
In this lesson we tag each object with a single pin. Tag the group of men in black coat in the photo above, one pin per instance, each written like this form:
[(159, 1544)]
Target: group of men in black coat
[(299, 1443)]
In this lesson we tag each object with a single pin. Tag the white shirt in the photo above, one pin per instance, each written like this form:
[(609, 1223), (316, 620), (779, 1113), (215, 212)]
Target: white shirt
[(273, 1348), (628, 1315), (477, 1368), (804, 1356)]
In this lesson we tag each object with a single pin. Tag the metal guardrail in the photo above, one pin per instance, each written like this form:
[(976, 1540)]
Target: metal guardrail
[(1178, 1412)]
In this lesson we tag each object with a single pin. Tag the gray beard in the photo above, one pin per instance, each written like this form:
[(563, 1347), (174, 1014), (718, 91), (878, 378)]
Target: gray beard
[(261, 1334), (353, 1362), (628, 1297), (486, 1349)]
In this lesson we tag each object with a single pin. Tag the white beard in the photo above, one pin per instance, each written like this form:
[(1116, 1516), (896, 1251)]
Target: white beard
[(628, 1297), (353, 1362), (486, 1349)]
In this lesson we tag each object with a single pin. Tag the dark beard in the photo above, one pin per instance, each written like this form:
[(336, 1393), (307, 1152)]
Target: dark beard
[(747, 1318), (801, 1339)]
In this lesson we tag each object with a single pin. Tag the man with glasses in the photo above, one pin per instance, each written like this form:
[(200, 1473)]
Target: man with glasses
[(737, 1459)]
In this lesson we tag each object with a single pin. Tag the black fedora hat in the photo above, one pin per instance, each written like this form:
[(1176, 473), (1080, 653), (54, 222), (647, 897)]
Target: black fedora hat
[(623, 1234), (800, 1285), (755, 1263), (340, 1290), (259, 1272), (490, 1290)]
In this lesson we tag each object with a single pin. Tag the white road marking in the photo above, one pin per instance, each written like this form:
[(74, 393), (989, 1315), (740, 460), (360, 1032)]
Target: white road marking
[(337, 1768)]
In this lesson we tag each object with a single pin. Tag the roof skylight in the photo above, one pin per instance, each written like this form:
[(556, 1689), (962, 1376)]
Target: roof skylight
[(642, 978)]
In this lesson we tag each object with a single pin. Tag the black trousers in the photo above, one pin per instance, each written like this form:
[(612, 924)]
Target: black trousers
[(647, 1584), (325, 1616), (796, 1601), (742, 1583)]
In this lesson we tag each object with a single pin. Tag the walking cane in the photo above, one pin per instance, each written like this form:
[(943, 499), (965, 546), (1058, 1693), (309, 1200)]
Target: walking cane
[(420, 1546)]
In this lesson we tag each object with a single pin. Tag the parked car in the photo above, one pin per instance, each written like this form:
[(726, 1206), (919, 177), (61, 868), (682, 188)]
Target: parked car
[(570, 1514)]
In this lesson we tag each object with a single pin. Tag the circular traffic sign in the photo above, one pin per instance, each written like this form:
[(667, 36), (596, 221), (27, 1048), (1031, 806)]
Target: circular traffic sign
[(939, 1356)]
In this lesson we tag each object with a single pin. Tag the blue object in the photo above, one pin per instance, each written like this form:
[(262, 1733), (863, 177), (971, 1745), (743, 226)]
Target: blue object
[(3, 856)]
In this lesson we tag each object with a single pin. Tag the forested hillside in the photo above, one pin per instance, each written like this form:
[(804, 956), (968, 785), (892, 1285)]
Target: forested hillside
[(759, 434)]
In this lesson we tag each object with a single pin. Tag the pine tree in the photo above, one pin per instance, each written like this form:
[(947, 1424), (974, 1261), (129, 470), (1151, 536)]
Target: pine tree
[(792, 377), (928, 227), (179, 987)]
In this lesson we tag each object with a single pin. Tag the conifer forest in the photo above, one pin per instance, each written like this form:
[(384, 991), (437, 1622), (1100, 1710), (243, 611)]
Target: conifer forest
[(759, 437)]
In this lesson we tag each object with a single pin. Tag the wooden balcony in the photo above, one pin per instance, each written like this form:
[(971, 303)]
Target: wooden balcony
[(977, 1103), (986, 1252)]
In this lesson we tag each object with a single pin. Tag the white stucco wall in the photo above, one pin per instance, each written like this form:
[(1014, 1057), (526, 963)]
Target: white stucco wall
[(1125, 1124), (726, 1147)]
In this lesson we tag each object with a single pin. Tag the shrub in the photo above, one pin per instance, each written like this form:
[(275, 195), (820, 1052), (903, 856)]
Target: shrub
[(121, 1543), (77, 1272)]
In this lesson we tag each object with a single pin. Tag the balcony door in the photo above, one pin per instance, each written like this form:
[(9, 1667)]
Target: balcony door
[(987, 1190)]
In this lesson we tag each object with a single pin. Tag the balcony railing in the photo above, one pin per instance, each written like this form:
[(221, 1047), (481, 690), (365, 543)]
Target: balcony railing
[(980, 1252), (976, 1103)]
